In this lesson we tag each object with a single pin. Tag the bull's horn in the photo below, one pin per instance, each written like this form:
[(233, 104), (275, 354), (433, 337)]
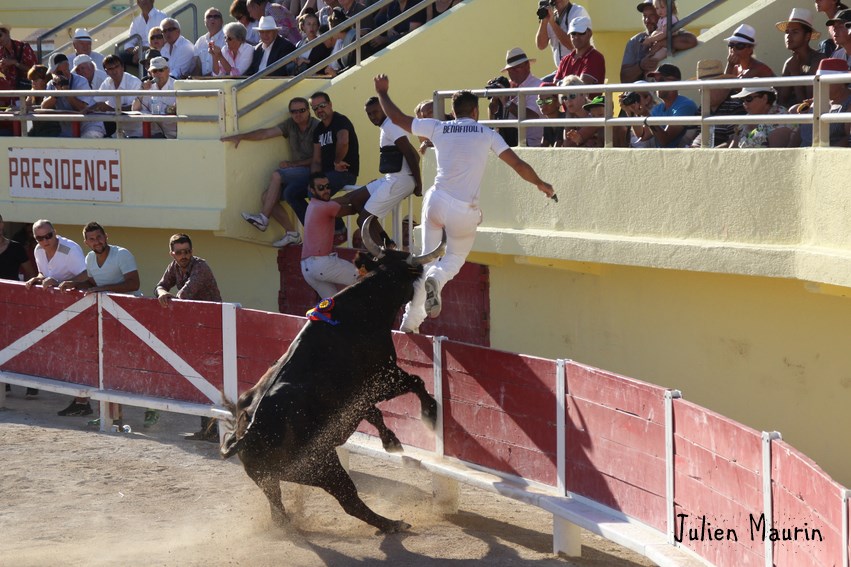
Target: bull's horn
[(426, 258), (366, 236)]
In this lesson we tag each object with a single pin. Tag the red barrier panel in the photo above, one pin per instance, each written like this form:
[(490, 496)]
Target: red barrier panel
[(717, 464), (67, 352), (189, 331), (615, 442), (262, 338), (402, 415), (500, 411), (804, 499)]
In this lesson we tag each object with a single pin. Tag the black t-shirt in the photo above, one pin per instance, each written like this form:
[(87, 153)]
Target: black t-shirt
[(326, 137), (11, 260)]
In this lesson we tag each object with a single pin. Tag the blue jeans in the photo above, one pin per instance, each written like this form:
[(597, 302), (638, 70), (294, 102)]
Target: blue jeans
[(296, 193)]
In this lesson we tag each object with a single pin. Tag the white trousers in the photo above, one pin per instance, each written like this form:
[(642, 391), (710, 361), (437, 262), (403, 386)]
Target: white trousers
[(326, 274), (460, 219)]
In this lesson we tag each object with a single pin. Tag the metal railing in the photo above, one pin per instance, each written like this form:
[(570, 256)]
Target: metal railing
[(103, 25), (608, 122), (22, 114), (75, 18), (672, 28), (355, 46)]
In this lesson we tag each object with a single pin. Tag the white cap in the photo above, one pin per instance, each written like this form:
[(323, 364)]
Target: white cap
[(82, 34), (579, 25)]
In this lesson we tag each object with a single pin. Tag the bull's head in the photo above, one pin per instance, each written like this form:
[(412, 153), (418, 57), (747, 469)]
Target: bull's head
[(378, 252)]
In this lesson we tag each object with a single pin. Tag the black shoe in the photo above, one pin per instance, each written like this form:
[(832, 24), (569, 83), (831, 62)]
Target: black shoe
[(32, 393), (8, 388), (76, 409)]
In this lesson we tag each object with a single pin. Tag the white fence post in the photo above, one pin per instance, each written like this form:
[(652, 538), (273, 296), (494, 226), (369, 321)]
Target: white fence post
[(767, 508), (103, 405), (561, 431), (229, 359), (437, 368), (845, 495), (670, 396)]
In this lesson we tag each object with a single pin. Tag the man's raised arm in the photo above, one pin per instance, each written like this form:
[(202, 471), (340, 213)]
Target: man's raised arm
[(399, 118)]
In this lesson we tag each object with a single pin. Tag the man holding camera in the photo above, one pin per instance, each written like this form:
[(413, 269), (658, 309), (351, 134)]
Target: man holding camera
[(553, 19), (64, 79)]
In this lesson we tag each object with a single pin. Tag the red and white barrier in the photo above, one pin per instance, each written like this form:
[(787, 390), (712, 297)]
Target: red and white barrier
[(625, 459)]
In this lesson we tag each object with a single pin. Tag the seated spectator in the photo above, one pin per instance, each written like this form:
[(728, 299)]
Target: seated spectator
[(156, 41), (830, 9), (763, 100), (282, 16), (352, 7), (518, 67), (637, 58), (179, 51), (119, 80), (235, 59), (271, 48), (584, 61), (16, 59), (239, 12), (838, 26), (142, 25), (64, 79), (552, 30), (798, 31), (404, 27), (721, 103), (308, 23), (588, 136), (573, 104), (320, 266), (425, 109), (287, 182), (550, 107), (154, 104), (673, 104), (39, 78), (439, 7), (840, 101), (639, 103), (341, 40), (655, 42), (82, 42), (740, 60), (85, 67), (214, 22)]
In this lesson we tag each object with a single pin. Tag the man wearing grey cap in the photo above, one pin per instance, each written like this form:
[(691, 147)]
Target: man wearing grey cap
[(584, 61), (64, 79), (552, 28), (841, 35)]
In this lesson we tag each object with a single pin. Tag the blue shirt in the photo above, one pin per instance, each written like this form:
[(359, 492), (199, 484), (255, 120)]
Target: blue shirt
[(682, 106)]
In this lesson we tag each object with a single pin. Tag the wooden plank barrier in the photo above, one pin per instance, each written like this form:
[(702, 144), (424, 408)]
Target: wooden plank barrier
[(499, 411), (804, 498), (619, 457), (718, 480)]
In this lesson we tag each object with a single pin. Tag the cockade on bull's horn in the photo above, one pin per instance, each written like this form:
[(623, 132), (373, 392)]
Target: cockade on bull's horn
[(287, 426)]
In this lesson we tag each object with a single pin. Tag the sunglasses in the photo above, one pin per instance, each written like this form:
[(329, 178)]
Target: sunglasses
[(738, 46), (543, 101), (214, 16), (169, 30), (319, 187), (156, 36), (157, 70), (298, 110), (750, 98), (577, 33), (182, 252), (112, 67), (230, 39), (320, 105), (47, 236), (570, 96)]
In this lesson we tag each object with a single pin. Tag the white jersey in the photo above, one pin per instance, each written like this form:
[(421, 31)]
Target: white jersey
[(462, 148), (389, 134), (66, 263)]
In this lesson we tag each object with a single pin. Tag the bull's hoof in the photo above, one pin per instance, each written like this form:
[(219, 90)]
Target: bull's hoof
[(429, 414), (280, 518), (391, 443), (394, 527)]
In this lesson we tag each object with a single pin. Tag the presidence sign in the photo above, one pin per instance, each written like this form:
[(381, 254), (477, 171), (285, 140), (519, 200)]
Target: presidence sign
[(80, 175)]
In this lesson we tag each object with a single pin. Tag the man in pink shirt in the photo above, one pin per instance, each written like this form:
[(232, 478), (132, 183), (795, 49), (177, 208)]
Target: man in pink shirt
[(320, 266)]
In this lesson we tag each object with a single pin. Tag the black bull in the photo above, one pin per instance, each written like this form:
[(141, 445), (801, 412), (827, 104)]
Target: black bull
[(287, 427)]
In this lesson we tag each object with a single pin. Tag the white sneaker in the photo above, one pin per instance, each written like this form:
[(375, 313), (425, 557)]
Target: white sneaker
[(432, 302), (406, 327), (289, 238), (259, 221)]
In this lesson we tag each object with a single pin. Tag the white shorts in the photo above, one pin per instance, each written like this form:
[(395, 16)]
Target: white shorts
[(387, 192), (328, 274)]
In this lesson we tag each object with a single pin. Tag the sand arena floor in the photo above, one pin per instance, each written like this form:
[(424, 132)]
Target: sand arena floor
[(71, 495)]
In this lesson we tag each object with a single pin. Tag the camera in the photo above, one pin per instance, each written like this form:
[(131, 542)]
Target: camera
[(60, 82), (630, 98), (542, 8), (498, 83)]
